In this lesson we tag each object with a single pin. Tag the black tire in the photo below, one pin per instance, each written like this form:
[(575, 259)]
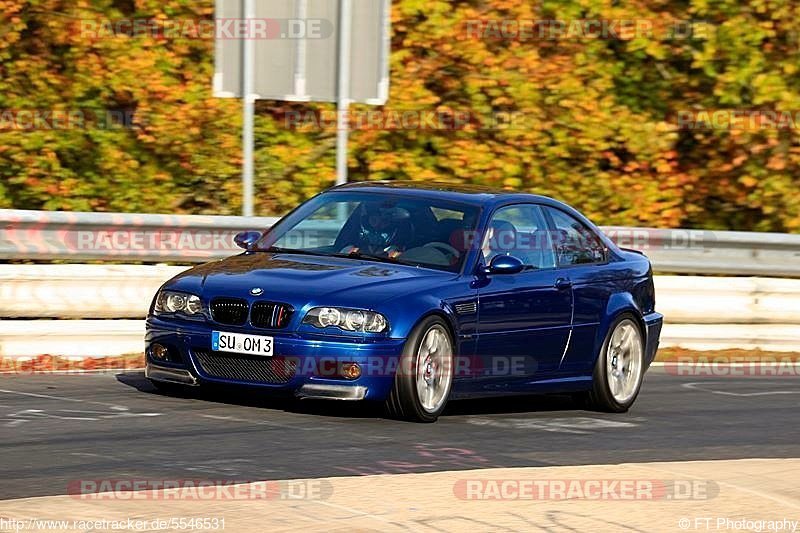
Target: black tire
[(403, 402), (600, 397)]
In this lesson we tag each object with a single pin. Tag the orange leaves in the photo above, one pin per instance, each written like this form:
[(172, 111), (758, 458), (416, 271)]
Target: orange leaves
[(589, 120)]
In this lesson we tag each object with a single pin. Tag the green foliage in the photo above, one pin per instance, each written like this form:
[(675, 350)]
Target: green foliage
[(594, 119)]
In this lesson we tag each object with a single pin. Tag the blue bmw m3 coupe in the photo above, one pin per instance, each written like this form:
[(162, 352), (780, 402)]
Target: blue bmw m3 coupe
[(412, 295)]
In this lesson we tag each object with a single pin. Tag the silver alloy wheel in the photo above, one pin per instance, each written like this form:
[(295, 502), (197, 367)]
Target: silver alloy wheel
[(434, 368), (624, 361)]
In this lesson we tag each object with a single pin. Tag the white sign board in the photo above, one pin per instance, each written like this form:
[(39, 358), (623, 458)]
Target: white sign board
[(295, 46)]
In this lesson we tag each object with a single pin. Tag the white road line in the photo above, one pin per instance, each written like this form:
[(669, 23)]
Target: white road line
[(354, 511), (79, 371), (574, 425), (695, 386), (28, 415), (115, 407), (96, 456), (260, 422)]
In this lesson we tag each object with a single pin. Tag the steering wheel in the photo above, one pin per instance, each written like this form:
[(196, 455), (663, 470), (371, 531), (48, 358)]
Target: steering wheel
[(445, 248)]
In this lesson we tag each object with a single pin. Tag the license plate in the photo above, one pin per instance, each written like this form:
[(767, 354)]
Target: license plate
[(240, 343)]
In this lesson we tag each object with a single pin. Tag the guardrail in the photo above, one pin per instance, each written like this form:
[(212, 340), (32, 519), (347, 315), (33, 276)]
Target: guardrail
[(702, 313), (57, 235), (39, 235), (714, 252), (125, 291)]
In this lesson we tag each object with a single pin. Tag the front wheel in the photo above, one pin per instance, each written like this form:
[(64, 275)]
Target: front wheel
[(619, 369), (425, 373)]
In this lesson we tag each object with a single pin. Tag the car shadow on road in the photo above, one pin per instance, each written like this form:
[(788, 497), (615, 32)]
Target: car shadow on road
[(253, 397)]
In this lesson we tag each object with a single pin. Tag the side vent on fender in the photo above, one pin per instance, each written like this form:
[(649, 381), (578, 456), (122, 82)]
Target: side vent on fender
[(466, 308)]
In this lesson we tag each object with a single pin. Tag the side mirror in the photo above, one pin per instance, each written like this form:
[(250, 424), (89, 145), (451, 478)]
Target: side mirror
[(246, 239), (505, 264)]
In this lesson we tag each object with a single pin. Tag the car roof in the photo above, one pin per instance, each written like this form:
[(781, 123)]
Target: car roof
[(471, 194)]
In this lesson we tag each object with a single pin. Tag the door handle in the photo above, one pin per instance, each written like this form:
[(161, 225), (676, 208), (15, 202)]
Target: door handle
[(563, 283)]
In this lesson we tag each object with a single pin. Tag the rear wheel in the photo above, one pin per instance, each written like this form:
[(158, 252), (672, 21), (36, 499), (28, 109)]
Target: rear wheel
[(425, 374), (619, 369)]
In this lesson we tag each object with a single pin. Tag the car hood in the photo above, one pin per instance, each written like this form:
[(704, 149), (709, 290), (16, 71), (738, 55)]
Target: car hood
[(301, 280)]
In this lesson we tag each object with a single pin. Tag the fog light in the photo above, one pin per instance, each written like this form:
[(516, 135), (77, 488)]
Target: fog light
[(350, 370), (159, 352)]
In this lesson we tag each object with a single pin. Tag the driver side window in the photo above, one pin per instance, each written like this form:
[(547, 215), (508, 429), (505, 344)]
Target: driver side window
[(521, 231)]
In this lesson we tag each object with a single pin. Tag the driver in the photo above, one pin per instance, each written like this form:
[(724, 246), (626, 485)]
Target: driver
[(383, 229)]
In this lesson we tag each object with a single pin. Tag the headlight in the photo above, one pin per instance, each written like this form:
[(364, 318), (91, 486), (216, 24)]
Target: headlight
[(346, 319), (178, 302)]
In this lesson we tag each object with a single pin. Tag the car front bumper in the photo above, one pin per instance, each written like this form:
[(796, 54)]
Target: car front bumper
[(188, 342)]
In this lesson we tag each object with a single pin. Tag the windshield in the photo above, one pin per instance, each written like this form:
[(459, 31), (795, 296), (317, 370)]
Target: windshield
[(377, 227)]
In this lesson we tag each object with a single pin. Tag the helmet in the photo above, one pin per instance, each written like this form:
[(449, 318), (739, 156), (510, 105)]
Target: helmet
[(380, 224)]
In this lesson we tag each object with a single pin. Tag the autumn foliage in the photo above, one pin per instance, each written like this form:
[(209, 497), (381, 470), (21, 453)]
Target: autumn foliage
[(598, 121)]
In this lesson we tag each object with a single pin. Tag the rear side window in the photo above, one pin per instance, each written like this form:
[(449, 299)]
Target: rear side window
[(446, 214), (574, 242)]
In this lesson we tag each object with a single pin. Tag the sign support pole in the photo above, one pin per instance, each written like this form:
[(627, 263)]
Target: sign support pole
[(248, 112), (343, 91)]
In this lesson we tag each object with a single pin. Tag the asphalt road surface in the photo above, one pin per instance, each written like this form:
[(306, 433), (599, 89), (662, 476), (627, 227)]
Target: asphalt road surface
[(57, 429)]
